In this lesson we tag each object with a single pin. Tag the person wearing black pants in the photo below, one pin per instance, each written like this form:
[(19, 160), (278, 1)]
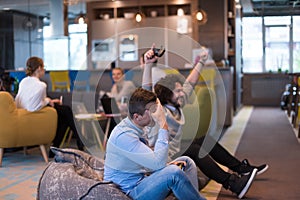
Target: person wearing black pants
[(218, 154), (64, 120), (32, 97), (173, 90)]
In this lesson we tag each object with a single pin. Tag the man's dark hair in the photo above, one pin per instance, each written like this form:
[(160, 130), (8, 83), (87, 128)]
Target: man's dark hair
[(165, 86), (138, 101)]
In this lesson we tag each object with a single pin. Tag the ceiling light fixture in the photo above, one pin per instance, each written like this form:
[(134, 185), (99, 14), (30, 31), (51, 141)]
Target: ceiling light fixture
[(81, 18), (138, 17), (200, 17), (180, 12)]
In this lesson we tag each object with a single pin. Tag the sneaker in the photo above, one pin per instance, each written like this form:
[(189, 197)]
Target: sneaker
[(245, 168), (240, 185)]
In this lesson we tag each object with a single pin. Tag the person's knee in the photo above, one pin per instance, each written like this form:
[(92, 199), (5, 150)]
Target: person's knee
[(174, 172), (189, 161)]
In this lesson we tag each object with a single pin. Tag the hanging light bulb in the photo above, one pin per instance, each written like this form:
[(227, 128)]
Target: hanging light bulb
[(138, 17), (199, 16), (180, 12), (81, 19)]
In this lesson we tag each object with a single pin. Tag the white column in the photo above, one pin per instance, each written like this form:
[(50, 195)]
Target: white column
[(58, 18)]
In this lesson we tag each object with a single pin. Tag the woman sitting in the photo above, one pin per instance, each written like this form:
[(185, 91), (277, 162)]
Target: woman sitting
[(32, 97)]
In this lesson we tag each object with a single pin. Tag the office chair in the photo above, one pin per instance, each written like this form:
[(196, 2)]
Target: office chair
[(60, 80)]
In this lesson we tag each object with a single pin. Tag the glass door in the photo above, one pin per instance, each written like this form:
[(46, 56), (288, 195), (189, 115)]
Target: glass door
[(277, 51)]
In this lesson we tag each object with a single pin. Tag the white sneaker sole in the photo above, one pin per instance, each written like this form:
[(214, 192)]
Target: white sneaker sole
[(258, 172), (245, 189), (263, 170)]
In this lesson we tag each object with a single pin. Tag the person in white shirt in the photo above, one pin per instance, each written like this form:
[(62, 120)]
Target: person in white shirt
[(32, 96)]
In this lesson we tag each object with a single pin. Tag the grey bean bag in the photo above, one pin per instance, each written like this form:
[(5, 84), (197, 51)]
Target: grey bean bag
[(75, 174)]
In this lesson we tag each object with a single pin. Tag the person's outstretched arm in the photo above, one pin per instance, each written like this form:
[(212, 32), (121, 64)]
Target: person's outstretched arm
[(149, 59), (200, 62)]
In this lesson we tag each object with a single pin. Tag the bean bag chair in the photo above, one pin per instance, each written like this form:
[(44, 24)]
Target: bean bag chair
[(75, 174)]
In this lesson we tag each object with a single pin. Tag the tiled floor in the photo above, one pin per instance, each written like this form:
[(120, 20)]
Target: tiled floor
[(19, 174)]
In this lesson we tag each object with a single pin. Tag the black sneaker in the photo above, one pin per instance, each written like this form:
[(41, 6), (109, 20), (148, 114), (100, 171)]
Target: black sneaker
[(240, 185), (245, 168)]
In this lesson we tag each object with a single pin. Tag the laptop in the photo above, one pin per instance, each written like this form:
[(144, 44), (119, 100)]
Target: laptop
[(110, 106), (112, 111)]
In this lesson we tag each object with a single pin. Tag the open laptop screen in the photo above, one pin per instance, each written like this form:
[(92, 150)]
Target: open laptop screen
[(110, 105)]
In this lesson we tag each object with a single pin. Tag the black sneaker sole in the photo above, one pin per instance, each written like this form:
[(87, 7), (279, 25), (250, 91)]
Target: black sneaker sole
[(246, 188)]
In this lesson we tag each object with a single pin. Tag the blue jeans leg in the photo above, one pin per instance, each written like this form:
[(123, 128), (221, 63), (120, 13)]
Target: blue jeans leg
[(160, 183), (190, 170)]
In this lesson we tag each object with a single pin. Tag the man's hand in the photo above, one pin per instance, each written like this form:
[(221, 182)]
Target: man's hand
[(149, 56), (179, 163), (159, 116), (203, 55)]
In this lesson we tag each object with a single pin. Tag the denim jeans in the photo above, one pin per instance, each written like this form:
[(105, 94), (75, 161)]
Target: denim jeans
[(183, 184)]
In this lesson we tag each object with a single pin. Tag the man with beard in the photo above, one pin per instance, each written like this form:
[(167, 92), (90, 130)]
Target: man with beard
[(172, 91)]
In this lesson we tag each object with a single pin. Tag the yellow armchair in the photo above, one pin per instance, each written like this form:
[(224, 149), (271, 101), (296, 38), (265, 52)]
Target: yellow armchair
[(21, 128)]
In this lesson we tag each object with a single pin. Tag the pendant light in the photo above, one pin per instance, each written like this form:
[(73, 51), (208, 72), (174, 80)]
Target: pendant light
[(200, 17), (81, 18), (139, 15)]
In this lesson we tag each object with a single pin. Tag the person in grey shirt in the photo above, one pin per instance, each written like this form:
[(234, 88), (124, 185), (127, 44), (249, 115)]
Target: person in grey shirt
[(173, 92)]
